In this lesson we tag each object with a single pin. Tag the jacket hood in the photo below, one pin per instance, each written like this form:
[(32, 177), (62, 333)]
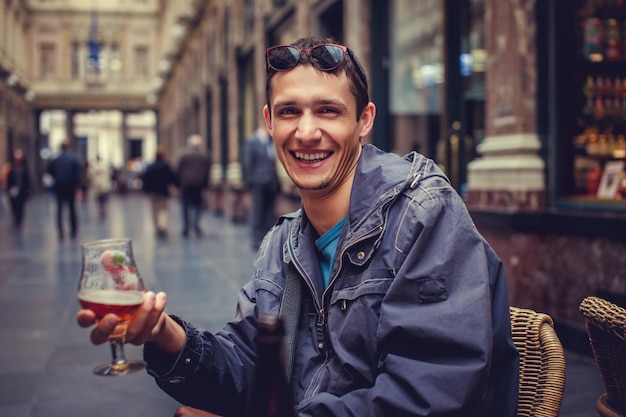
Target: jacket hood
[(381, 176)]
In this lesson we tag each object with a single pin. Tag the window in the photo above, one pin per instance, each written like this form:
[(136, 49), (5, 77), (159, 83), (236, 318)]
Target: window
[(75, 64), (141, 61), (116, 61), (593, 101), (47, 52)]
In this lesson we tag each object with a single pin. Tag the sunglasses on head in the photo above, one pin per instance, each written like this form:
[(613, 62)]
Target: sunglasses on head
[(322, 57)]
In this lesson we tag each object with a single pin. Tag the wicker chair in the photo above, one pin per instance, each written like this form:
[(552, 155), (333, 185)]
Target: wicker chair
[(606, 327), (542, 363)]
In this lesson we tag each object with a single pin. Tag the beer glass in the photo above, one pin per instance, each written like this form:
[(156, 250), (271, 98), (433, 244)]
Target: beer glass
[(110, 283)]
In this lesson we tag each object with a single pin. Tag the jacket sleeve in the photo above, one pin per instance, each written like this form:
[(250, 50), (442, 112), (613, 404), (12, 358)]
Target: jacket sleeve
[(435, 332), (213, 371)]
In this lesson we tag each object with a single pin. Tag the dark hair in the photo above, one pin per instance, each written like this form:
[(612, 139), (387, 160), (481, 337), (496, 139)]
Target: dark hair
[(358, 86), (160, 152)]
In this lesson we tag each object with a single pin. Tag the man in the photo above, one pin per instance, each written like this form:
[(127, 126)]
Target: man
[(157, 180), (66, 171), (193, 175), (404, 309), (260, 167)]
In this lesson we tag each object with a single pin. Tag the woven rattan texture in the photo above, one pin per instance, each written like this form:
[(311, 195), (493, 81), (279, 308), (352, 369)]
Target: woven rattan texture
[(606, 326), (542, 363)]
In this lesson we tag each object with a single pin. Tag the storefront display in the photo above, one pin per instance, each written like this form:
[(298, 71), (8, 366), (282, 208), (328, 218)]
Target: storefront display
[(598, 139)]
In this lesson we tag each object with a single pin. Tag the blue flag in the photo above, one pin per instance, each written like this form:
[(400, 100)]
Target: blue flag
[(94, 47)]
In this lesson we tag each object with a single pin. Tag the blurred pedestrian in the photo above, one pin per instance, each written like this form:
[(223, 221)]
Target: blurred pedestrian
[(99, 180), (157, 180), (4, 173), (18, 187), (262, 181), (65, 170), (83, 189), (193, 177)]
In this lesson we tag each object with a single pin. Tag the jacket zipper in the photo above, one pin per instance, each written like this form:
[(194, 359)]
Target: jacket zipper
[(321, 314)]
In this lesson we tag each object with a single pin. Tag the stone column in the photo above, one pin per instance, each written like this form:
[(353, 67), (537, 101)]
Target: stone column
[(124, 136), (69, 127), (510, 172)]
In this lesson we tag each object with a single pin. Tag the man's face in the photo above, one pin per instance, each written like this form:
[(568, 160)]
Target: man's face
[(315, 128)]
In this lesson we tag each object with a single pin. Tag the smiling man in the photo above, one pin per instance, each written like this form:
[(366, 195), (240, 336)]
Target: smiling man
[(403, 309)]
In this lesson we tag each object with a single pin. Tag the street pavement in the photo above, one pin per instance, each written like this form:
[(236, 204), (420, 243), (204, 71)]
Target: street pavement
[(46, 360)]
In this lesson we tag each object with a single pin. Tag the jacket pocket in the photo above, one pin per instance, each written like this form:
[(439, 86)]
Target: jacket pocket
[(373, 281), (431, 290)]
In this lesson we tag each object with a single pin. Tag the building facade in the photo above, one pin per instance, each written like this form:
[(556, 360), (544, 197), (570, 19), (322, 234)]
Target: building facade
[(85, 71), (522, 103)]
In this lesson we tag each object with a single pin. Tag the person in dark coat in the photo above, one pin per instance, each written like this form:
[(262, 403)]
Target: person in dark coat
[(18, 187), (259, 161), (157, 180), (65, 169), (193, 176)]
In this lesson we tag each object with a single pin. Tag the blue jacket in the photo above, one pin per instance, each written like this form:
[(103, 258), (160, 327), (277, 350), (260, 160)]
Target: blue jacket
[(259, 163), (65, 169), (415, 321)]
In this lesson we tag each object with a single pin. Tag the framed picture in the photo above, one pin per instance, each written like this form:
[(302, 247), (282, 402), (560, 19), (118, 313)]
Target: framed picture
[(610, 179)]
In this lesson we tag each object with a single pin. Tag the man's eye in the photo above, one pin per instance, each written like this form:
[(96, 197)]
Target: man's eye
[(287, 111), (329, 110)]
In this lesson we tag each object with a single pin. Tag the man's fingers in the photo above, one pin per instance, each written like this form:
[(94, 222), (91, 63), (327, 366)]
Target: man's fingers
[(185, 411), (141, 327), (86, 318), (101, 333)]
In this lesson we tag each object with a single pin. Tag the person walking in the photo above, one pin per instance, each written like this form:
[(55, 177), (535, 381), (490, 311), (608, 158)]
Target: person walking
[(99, 178), (18, 188), (402, 307), (65, 170), (259, 160), (156, 181), (193, 177)]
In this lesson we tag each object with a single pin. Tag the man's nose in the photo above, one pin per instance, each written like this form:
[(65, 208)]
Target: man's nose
[(308, 128)]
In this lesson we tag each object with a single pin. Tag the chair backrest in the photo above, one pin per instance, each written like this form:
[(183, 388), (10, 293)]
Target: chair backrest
[(606, 327), (542, 363)]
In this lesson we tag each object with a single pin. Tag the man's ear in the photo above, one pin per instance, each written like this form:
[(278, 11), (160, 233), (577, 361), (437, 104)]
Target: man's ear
[(367, 119), (268, 119)]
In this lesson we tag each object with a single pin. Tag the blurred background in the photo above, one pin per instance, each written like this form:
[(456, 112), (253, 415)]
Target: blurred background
[(522, 103)]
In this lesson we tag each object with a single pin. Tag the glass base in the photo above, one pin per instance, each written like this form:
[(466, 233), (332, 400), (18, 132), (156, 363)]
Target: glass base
[(123, 368)]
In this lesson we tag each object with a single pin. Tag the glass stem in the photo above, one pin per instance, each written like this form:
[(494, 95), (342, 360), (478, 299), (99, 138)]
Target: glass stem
[(117, 352)]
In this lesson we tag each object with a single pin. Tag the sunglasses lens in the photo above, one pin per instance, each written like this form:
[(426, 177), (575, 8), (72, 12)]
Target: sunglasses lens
[(283, 58), (326, 57)]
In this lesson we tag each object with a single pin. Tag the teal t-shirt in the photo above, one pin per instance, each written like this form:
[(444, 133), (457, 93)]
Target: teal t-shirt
[(327, 245)]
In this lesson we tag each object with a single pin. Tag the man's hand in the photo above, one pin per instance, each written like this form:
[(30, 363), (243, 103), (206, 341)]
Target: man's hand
[(192, 412), (149, 324)]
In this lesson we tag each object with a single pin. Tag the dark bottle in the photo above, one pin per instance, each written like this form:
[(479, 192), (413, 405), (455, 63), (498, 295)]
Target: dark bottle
[(271, 394)]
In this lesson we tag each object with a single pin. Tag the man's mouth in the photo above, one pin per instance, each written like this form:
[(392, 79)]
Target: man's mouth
[(311, 157)]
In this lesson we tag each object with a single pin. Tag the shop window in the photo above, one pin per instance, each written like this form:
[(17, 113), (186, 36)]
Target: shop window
[(593, 174), (416, 75)]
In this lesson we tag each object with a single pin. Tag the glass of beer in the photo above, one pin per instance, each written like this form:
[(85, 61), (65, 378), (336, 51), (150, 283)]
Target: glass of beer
[(110, 283)]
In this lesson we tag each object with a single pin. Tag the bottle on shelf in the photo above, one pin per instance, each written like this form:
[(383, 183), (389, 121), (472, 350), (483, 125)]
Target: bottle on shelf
[(593, 179), (589, 89), (271, 395), (593, 33), (613, 47)]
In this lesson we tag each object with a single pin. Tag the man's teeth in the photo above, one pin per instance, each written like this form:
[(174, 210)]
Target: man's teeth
[(312, 156)]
